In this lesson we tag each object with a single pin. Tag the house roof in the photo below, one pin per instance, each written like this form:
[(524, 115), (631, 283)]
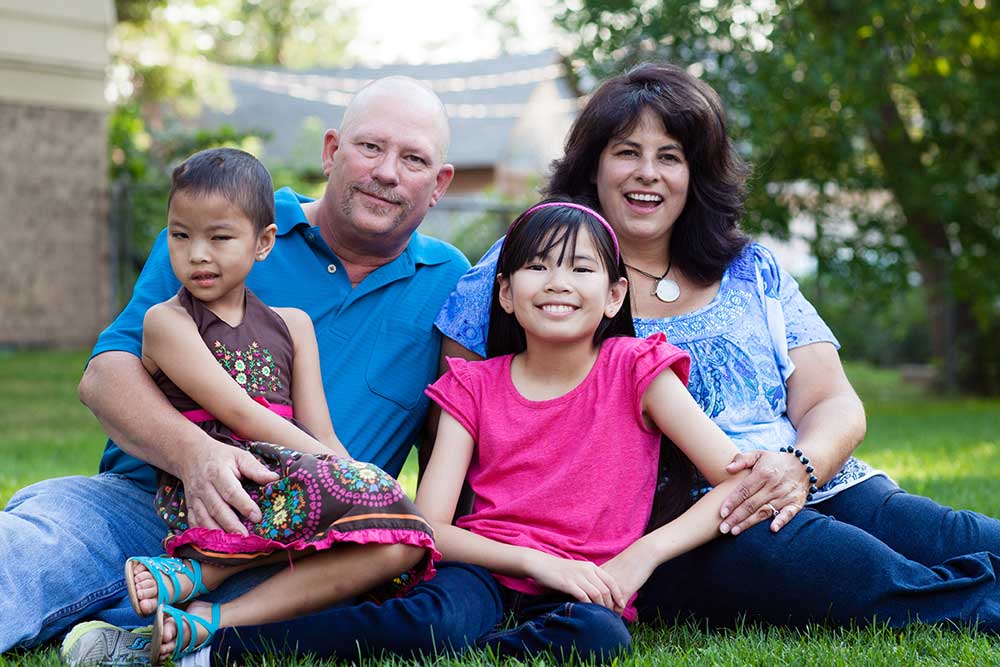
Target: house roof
[(484, 99)]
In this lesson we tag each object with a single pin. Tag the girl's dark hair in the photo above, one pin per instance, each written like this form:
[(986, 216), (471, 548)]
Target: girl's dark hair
[(706, 237), (233, 174), (536, 234)]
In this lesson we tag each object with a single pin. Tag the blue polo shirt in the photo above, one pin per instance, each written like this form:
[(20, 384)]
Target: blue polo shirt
[(377, 341)]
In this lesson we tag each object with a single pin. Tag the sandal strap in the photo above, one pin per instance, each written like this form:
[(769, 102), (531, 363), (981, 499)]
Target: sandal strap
[(187, 630), (172, 567)]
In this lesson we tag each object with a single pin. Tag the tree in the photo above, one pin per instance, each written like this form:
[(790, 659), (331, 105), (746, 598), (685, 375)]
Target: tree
[(880, 113)]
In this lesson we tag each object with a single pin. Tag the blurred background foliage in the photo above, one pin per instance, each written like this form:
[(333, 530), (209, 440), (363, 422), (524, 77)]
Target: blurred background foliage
[(871, 127), (164, 54)]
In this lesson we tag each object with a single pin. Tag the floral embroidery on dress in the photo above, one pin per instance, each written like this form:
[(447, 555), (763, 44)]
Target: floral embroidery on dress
[(171, 506), (360, 483), (290, 507), (253, 368)]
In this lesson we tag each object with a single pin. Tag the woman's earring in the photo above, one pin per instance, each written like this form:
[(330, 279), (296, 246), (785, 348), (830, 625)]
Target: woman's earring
[(260, 257)]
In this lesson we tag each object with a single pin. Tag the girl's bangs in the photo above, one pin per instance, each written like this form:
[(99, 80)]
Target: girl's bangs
[(554, 229)]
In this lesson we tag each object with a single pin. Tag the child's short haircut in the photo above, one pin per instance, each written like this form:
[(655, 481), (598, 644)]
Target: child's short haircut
[(233, 174)]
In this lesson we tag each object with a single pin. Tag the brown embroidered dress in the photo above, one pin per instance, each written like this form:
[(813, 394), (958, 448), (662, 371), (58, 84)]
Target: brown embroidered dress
[(319, 500)]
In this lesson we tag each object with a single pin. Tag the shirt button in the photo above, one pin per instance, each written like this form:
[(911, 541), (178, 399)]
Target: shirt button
[(332, 268)]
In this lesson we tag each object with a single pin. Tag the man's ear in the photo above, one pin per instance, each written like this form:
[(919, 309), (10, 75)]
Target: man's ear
[(616, 296), (505, 296), (331, 142), (444, 176)]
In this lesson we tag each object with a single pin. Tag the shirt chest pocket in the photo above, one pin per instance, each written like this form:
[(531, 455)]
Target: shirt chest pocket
[(403, 361)]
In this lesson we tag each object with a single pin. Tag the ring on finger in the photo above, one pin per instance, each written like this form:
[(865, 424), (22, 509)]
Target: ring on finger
[(774, 510)]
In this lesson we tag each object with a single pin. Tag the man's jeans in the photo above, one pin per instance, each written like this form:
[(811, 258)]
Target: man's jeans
[(871, 553), (63, 545)]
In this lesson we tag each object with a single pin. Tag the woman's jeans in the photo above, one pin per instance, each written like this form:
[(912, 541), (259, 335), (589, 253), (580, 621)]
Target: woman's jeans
[(63, 545), (871, 553)]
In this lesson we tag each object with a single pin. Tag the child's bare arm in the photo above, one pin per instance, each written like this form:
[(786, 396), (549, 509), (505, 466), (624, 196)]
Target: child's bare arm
[(308, 396), (437, 498), (698, 525), (170, 342), (669, 405)]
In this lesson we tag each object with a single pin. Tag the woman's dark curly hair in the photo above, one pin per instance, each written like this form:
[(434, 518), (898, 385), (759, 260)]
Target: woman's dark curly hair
[(706, 236)]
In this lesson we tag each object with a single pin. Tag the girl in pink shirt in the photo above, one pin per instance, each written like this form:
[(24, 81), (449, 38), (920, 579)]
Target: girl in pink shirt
[(558, 434)]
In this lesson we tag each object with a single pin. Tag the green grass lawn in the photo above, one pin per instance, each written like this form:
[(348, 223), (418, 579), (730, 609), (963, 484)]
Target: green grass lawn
[(945, 448)]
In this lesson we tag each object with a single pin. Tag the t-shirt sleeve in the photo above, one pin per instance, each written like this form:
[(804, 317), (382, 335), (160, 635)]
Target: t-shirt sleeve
[(651, 357), (455, 393), (156, 283), (465, 315), (803, 325)]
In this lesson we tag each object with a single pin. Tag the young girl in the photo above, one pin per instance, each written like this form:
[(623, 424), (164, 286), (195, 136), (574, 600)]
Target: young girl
[(237, 367), (559, 434)]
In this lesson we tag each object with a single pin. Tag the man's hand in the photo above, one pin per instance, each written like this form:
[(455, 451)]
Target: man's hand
[(212, 490), (631, 568), (776, 479), (578, 578)]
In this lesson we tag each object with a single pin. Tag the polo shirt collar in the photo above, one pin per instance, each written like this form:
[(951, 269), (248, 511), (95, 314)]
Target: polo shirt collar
[(288, 213)]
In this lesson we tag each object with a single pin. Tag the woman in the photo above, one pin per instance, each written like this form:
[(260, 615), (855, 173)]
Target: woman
[(650, 150)]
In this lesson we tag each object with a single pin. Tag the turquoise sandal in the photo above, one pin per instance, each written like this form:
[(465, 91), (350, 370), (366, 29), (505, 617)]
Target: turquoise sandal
[(171, 567), (187, 632)]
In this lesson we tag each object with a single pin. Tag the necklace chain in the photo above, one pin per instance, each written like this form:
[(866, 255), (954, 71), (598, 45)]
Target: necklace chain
[(652, 276)]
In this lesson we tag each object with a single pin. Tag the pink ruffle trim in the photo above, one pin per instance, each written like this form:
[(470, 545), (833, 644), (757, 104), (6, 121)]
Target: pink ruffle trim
[(221, 542)]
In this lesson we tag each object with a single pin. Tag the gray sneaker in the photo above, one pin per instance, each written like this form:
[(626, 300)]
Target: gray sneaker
[(100, 643)]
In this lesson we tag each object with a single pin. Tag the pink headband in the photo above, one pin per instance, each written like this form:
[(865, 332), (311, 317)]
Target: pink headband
[(579, 207)]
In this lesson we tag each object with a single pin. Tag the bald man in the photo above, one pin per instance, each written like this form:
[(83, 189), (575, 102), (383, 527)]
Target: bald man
[(372, 285)]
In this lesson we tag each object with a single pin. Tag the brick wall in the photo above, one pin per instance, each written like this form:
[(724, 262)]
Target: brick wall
[(54, 249)]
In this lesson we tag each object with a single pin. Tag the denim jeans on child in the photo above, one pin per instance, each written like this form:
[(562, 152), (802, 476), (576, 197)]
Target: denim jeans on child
[(557, 624), (466, 606), (871, 553), (446, 613)]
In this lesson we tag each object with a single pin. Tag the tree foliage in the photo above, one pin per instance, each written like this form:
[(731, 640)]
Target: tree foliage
[(877, 119), (166, 57)]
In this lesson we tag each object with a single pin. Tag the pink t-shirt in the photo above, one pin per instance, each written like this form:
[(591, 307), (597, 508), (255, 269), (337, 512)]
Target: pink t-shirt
[(572, 476)]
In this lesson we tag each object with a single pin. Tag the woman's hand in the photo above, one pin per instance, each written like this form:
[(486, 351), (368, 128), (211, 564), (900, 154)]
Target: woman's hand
[(578, 578), (631, 568), (776, 480)]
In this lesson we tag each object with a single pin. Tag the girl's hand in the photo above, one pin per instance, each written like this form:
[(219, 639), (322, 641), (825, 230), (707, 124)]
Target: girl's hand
[(775, 478), (578, 578), (631, 568)]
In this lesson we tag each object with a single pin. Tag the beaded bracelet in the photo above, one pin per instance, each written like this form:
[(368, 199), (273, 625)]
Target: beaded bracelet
[(797, 453)]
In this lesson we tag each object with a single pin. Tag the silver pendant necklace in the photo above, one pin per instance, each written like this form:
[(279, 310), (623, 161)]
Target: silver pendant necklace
[(664, 289)]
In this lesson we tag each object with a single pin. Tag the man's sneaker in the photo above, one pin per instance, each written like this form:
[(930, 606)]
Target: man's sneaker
[(100, 643)]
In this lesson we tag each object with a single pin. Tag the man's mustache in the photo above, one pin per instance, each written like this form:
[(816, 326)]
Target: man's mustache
[(376, 190)]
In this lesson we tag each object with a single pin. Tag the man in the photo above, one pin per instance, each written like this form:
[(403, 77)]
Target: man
[(372, 285)]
